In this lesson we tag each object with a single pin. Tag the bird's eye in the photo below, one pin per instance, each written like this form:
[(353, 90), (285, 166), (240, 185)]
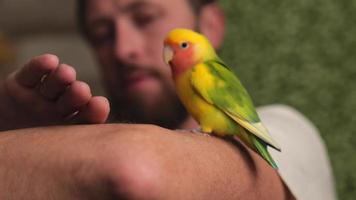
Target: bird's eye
[(184, 45)]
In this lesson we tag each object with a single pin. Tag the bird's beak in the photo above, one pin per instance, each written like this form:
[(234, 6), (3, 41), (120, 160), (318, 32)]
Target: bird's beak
[(167, 54)]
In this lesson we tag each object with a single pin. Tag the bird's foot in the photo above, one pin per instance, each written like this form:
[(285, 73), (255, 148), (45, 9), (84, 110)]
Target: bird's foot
[(198, 131)]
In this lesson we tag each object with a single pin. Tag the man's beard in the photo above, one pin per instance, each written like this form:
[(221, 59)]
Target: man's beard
[(167, 111)]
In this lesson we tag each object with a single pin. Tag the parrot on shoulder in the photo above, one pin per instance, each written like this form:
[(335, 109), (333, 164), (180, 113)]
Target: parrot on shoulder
[(212, 94)]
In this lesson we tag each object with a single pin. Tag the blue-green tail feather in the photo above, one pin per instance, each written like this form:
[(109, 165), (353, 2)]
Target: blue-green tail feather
[(261, 147)]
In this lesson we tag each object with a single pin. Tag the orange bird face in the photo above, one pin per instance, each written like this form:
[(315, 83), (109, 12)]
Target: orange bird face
[(179, 55), (185, 48)]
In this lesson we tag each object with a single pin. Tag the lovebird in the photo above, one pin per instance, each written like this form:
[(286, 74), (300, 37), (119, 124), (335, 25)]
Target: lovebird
[(212, 94)]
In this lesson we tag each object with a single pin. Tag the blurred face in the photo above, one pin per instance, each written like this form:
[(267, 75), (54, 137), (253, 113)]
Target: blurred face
[(127, 36)]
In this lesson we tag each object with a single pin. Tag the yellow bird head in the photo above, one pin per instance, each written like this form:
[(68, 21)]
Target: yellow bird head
[(184, 48)]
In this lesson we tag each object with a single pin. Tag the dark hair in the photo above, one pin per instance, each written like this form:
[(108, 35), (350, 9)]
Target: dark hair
[(198, 4), (81, 7)]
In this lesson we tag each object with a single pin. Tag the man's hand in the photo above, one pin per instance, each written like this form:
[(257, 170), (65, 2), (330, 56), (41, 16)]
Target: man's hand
[(130, 162), (45, 92)]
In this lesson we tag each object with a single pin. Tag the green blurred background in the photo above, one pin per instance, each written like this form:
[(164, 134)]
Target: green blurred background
[(302, 53)]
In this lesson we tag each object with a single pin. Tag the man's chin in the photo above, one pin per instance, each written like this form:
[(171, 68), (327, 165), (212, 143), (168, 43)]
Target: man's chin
[(149, 110)]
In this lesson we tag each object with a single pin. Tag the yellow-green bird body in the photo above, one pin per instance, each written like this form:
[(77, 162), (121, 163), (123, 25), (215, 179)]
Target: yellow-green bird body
[(212, 94), (209, 117)]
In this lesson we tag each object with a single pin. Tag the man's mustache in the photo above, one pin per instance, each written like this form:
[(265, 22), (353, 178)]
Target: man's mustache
[(126, 70)]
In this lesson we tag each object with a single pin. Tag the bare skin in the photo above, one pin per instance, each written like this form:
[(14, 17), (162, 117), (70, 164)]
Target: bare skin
[(120, 161), (130, 162), (45, 92)]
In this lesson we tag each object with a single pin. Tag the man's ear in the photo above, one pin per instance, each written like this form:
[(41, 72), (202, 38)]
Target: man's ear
[(212, 23)]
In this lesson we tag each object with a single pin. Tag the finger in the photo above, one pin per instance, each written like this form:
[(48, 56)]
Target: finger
[(74, 97), (32, 73), (95, 112), (27, 99), (57, 82)]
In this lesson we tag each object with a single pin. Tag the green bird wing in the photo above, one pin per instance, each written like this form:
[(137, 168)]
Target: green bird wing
[(217, 84)]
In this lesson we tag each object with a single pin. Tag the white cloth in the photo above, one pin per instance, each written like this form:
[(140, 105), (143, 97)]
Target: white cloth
[(303, 163)]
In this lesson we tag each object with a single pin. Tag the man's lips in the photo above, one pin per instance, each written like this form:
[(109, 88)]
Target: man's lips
[(134, 80)]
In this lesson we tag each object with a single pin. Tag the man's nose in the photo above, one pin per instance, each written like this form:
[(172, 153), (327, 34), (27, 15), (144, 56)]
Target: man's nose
[(128, 42)]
